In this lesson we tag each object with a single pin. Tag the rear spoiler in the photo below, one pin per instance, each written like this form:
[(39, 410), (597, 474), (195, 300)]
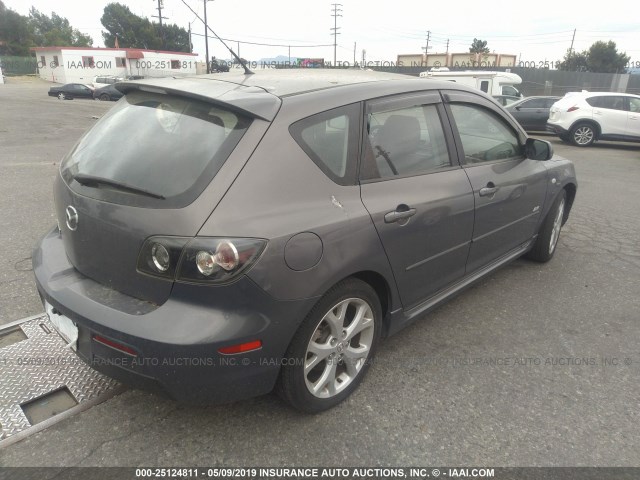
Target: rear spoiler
[(246, 100)]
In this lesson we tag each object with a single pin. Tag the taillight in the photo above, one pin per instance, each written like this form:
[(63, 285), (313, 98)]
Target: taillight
[(573, 109), (198, 260)]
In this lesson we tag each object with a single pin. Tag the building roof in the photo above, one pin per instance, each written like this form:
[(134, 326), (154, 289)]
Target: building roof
[(127, 50)]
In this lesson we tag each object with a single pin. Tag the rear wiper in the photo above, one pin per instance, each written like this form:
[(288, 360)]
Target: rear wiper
[(93, 181)]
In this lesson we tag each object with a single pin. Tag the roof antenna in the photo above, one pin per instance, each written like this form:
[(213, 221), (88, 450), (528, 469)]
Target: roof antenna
[(237, 58)]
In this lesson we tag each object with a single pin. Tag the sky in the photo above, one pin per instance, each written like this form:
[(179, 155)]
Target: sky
[(535, 32)]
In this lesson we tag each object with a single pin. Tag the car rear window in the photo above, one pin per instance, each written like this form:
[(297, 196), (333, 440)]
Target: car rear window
[(168, 146)]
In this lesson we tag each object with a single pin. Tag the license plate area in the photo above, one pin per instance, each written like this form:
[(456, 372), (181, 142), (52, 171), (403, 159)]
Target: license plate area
[(63, 325)]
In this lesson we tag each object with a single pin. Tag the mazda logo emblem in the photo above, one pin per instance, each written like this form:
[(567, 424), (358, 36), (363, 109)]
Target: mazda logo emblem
[(72, 218)]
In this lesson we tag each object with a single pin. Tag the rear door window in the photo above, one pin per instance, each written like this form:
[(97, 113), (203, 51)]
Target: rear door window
[(534, 103), (403, 142), (168, 146), (608, 102)]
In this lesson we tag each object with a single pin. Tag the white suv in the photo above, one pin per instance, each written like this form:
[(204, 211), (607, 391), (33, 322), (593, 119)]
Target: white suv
[(104, 80), (584, 117)]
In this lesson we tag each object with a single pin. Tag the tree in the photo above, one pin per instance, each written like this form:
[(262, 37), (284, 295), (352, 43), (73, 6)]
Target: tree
[(138, 32), (603, 57), (479, 46), (574, 62), (55, 31), (15, 34)]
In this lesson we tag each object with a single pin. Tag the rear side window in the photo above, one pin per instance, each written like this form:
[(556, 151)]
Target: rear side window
[(330, 140), (167, 146)]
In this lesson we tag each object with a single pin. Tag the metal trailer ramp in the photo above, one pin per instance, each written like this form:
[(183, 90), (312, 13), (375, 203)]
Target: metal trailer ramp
[(42, 380)]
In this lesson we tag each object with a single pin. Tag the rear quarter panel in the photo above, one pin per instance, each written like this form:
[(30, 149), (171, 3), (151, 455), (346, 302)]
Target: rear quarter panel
[(280, 193)]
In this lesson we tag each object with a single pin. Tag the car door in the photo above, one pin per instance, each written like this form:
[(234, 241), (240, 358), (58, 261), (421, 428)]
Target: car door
[(509, 189), (633, 118), (418, 196), (610, 113), (85, 91), (532, 114)]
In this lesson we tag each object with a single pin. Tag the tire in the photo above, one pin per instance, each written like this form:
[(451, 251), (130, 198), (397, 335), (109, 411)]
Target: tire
[(564, 138), (332, 350), (61, 96), (549, 233), (583, 135), (105, 97)]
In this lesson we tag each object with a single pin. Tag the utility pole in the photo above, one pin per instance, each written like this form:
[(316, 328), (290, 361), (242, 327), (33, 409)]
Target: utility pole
[(426, 48), (354, 53), (571, 50), (190, 43), (336, 12), (447, 46), (206, 36), (572, 39), (160, 17)]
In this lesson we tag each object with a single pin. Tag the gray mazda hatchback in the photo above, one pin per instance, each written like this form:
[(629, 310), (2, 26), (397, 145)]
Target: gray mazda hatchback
[(226, 235)]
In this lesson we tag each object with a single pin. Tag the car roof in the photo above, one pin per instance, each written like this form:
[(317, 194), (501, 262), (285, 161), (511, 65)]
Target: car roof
[(598, 94), (511, 106), (260, 94)]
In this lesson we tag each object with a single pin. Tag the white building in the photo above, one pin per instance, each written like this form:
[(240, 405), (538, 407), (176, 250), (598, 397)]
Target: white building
[(81, 64)]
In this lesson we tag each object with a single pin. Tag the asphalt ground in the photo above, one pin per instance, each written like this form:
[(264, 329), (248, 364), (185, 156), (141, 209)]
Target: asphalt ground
[(537, 365)]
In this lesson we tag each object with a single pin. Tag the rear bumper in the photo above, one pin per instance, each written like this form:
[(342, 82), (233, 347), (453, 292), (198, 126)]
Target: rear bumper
[(558, 130), (176, 344)]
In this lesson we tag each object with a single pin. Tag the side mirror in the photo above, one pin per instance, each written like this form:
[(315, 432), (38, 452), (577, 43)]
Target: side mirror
[(538, 149)]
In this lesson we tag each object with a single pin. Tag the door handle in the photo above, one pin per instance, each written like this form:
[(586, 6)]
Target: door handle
[(398, 215), (488, 191)]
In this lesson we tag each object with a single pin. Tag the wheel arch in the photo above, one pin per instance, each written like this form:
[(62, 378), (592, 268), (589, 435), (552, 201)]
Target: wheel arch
[(570, 189), (383, 291), (596, 126)]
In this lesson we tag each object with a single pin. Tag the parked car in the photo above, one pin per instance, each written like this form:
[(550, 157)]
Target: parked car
[(586, 117), (218, 66), (532, 113), (266, 231), (104, 80), (107, 93), (71, 91), (506, 99)]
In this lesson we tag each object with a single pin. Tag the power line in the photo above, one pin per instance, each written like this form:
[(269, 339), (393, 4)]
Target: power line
[(270, 44)]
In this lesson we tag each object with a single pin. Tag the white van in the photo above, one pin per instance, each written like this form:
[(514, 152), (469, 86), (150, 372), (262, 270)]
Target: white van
[(493, 83)]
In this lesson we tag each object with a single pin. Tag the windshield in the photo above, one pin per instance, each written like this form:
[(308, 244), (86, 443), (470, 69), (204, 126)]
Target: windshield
[(168, 146)]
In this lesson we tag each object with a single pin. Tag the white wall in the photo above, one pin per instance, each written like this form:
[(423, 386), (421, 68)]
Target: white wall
[(72, 68)]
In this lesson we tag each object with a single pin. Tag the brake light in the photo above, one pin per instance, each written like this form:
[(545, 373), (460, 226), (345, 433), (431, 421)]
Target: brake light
[(572, 109)]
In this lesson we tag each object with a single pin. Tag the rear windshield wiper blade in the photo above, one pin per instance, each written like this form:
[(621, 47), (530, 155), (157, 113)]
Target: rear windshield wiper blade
[(93, 181)]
